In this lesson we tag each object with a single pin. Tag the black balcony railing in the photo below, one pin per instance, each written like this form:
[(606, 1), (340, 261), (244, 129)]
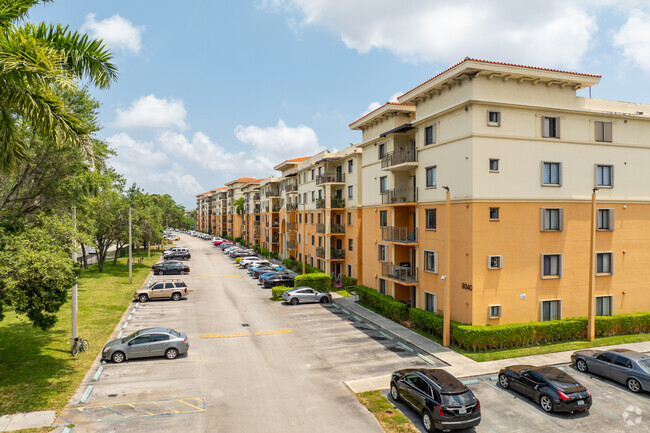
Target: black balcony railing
[(338, 202), (397, 157), (320, 228), (320, 203), (330, 178), (292, 227), (399, 195), (292, 245), (276, 208), (320, 252), (337, 228), (256, 197), (404, 274), (272, 193), (291, 207), (399, 234), (337, 254), (292, 187), (256, 223)]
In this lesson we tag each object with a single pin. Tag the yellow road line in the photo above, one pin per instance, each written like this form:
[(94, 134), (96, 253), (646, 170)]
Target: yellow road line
[(162, 405), (281, 331), (233, 276), (243, 334), (139, 408), (206, 276), (191, 405)]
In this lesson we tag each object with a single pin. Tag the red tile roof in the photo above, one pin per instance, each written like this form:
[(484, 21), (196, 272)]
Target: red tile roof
[(247, 179), (298, 159), (387, 103)]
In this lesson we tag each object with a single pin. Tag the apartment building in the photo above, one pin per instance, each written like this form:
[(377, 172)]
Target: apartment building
[(202, 211), (288, 215), (520, 154), (252, 212)]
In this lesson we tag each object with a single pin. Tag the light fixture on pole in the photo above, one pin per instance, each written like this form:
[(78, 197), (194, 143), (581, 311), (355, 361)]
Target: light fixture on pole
[(446, 322), (591, 313)]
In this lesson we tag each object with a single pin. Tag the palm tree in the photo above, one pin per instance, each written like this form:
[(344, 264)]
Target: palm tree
[(37, 63), (239, 208)]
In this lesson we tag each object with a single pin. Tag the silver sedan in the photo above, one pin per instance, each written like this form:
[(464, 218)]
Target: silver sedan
[(147, 343), (622, 365), (305, 294)]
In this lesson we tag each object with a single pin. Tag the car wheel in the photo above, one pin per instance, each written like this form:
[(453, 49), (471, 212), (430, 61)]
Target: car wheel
[(394, 392), (324, 300), (143, 298), (183, 273), (427, 420), (504, 381), (634, 385), (158, 272), (294, 301), (171, 353), (581, 365), (546, 403), (176, 296), (118, 357)]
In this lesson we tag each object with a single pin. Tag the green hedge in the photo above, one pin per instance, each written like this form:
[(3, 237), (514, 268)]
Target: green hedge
[(386, 305), (277, 291), (318, 281), (296, 266), (474, 337), (348, 281)]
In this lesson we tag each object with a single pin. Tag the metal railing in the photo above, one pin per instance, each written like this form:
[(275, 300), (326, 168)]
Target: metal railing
[(337, 228), (397, 157), (399, 195), (292, 227), (404, 274), (291, 207), (399, 234), (276, 208), (336, 254), (320, 203), (272, 193), (337, 202), (292, 245), (320, 252), (320, 228), (330, 178), (291, 187)]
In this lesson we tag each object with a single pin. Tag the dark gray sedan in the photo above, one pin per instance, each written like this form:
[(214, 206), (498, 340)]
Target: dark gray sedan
[(622, 365), (146, 343)]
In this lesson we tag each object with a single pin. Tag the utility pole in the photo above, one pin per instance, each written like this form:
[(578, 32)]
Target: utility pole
[(591, 314), (74, 304), (130, 248), (446, 322), (304, 239)]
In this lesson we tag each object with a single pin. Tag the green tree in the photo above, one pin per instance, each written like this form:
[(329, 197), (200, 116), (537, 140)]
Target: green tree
[(37, 61)]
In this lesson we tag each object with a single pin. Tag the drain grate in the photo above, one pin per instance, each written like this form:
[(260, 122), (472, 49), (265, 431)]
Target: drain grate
[(112, 395), (245, 325)]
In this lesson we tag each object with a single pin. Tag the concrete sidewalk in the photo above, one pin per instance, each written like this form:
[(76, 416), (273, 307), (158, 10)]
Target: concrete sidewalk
[(458, 365)]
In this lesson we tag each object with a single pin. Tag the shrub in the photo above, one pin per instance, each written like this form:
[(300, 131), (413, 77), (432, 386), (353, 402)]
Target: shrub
[(386, 305), (256, 248), (265, 252), (277, 291), (348, 281), (275, 255), (237, 260), (289, 263), (317, 281)]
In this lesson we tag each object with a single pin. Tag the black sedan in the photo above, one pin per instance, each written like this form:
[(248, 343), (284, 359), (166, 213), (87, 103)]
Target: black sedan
[(278, 279), (553, 389), (170, 267), (622, 365), (442, 400), (176, 255)]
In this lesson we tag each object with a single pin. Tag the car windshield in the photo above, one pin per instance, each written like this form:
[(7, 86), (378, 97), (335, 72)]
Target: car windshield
[(463, 399), (645, 364), (174, 333)]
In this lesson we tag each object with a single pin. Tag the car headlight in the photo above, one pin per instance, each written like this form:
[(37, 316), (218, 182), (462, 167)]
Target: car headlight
[(106, 349)]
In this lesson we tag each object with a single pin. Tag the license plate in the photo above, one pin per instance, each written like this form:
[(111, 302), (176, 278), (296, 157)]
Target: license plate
[(580, 402), (462, 411)]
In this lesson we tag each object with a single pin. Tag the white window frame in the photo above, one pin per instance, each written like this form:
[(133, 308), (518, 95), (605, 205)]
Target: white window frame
[(541, 309), (382, 252), (383, 184), (425, 262), (559, 174), (433, 134), (560, 265), (603, 131), (350, 273), (350, 192), (611, 305), (350, 166), (496, 122), (350, 219), (610, 219), (426, 219), (379, 284), (434, 169), (350, 245), (611, 176), (435, 302), (546, 127), (544, 211), (493, 170), (611, 264), (493, 316), (500, 262)]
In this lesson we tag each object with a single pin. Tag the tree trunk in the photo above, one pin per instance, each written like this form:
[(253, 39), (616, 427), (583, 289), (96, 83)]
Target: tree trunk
[(84, 260), (118, 245), (148, 251)]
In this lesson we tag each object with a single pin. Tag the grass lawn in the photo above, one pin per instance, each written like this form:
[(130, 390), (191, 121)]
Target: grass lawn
[(390, 419), (343, 293), (37, 371)]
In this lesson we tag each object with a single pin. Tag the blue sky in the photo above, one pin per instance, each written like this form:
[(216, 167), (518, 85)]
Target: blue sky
[(214, 90)]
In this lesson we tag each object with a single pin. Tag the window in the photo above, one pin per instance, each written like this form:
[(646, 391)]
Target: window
[(431, 219), (159, 337), (350, 271), (350, 191), (383, 218), (320, 241), (300, 257), (494, 118), (552, 220), (431, 261), (604, 306), (304, 198), (494, 311), (312, 239), (551, 127), (604, 175), (604, 263), (383, 184), (551, 173), (319, 218), (605, 219), (320, 194), (349, 218), (318, 265), (431, 177), (382, 150), (494, 165), (495, 262), (606, 357), (603, 131), (320, 170), (429, 137), (551, 265), (313, 196), (494, 213), (430, 302), (350, 164), (382, 286), (551, 310), (313, 174), (381, 253), (298, 237), (311, 215), (158, 286), (304, 177), (350, 242), (299, 218)]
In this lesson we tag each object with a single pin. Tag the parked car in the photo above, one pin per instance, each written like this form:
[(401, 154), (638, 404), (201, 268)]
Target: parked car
[(248, 259), (257, 262), (170, 267), (170, 289), (177, 254), (239, 253), (553, 389), (442, 400), (92, 250), (258, 271), (622, 365), (147, 343), (305, 294), (279, 279)]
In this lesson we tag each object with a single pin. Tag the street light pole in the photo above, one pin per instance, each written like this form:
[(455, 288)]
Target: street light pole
[(591, 314), (304, 239), (446, 322), (130, 249), (74, 303)]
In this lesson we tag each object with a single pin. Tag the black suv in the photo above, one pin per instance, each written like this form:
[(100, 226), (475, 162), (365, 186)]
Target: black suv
[(279, 279), (442, 400), (170, 267)]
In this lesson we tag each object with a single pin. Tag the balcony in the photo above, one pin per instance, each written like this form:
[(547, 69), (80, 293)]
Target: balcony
[(291, 207), (272, 239), (330, 178), (399, 196), (401, 274), (406, 235), (320, 203), (231, 194), (337, 229), (230, 220), (338, 202), (400, 160), (256, 223), (320, 252), (291, 188), (272, 193), (276, 208), (292, 227), (292, 245), (320, 228), (337, 254), (256, 197)]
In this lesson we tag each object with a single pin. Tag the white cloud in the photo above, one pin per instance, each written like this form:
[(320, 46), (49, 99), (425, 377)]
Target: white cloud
[(151, 112), (634, 39), (279, 142), (117, 32), (549, 32), (371, 107)]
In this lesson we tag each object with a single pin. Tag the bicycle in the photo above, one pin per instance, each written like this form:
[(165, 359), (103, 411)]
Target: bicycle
[(79, 344)]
